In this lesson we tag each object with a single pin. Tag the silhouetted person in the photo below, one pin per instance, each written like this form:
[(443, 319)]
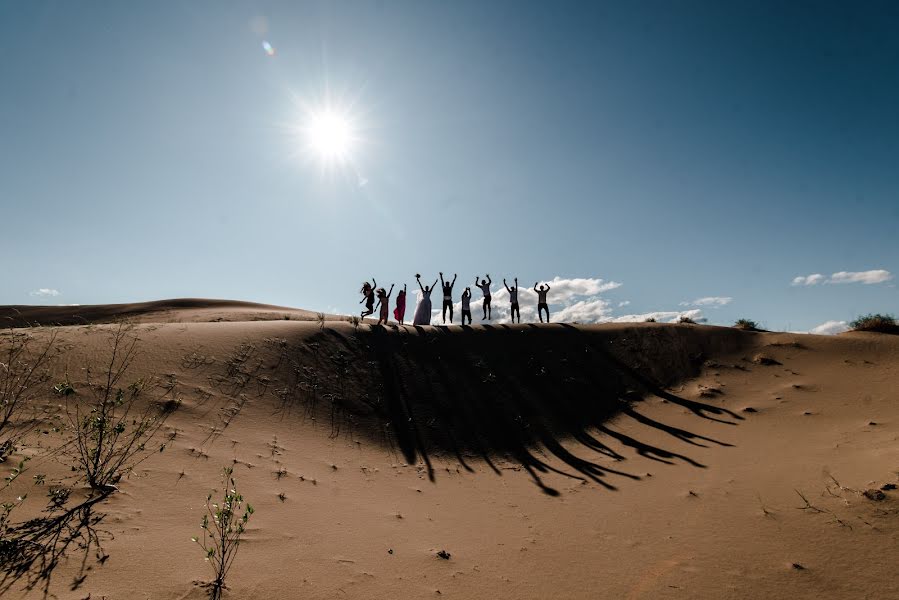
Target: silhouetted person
[(485, 287), (384, 303), (513, 299), (368, 296), (447, 296), (399, 313), (423, 310), (466, 305), (541, 301)]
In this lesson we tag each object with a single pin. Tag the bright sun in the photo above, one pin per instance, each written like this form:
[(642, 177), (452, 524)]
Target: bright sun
[(330, 136)]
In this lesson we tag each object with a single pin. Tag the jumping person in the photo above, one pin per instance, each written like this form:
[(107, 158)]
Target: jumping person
[(513, 299), (447, 296), (368, 296), (399, 313), (541, 301), (384, 303), (485, 287), (466, 306), (423, 310)]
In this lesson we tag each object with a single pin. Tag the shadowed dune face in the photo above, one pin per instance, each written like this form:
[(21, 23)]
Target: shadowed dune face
[(489, 391)]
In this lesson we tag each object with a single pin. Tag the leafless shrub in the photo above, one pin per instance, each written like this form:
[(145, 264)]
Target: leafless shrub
[(23, 371), (111, 431)]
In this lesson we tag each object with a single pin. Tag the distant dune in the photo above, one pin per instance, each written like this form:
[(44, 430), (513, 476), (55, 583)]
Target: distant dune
[(548, 461), (180, 310)]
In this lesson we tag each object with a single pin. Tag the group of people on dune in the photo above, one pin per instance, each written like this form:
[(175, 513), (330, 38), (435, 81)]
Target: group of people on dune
[(371, 291)]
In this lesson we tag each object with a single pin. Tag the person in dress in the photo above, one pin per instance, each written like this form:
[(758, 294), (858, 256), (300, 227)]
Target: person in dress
[(541, 301), (447, 296), (513, 299), (368, 296), (423, 310), (466, 305), (399, 313), (485, 288), (384, 304)]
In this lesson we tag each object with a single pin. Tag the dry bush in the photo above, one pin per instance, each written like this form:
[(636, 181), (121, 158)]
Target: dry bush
[(23, 371), (687, 320), (875, 322), (110, 430), (746, 325)]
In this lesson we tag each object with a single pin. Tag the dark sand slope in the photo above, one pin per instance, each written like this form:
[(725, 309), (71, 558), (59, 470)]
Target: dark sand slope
[(618, 461), (187, 310)]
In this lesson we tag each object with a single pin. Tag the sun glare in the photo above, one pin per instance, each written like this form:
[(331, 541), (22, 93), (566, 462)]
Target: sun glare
[(330, 136)]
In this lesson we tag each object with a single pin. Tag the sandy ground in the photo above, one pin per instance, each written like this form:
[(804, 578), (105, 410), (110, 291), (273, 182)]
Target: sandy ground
[(617, 461)]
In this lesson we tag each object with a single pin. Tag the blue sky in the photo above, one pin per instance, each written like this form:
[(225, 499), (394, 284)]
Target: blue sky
[(683, 150)]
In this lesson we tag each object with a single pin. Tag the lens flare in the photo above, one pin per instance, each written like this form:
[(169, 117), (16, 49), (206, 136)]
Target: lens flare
[(269, 49)]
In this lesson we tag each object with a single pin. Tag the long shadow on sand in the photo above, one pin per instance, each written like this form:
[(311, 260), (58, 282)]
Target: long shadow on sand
[(32, 550), (514, 392)]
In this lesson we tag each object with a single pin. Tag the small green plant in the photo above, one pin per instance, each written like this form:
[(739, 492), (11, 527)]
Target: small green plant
[(687, 320), (875, 322), (746, 325), (223, 525), (64, 388)]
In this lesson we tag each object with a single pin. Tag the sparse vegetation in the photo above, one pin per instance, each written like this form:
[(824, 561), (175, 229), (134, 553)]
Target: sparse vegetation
[(110, 431), (354, 321), (320, 317), (746, 325), (687, 320), (23, 371), (876, 322), (650, 320), (223, 525)]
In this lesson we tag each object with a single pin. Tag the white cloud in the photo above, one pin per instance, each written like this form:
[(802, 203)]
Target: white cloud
[(663, 316), (585, 311), (830, 328), (574, 299), (570, 300), (813, 279), (865, 277), (45, 293), (562, 290), (716, 301)]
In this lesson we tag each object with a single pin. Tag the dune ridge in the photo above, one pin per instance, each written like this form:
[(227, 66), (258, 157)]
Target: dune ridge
[(612, 461)]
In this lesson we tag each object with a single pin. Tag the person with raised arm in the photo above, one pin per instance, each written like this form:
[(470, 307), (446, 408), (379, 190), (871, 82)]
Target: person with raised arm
[(466, 305), (423, 310), (384, 304), (447, 296), (399, 313), (368, 296), (541, 301), (485, 288), (513, 299)]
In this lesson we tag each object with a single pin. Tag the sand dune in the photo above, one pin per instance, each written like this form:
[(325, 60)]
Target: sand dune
[(181, 310), (557, 461)]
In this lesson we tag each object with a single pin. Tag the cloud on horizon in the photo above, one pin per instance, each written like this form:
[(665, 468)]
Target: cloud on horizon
[(44, 293), (570, 300), (864, 277), (830, 328), (714, 301)]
